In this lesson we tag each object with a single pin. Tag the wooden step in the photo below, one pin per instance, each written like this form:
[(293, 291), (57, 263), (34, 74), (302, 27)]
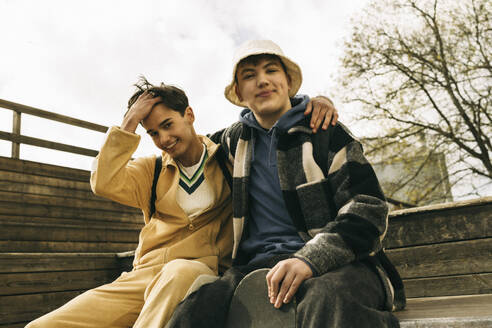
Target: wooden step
[(472, 283), (53, 221), (27, 199), (35, 193), (451, 268), (34, 284), (41, 282), (453, 312), (439, 223), (60, 211), (46, 262), (37, 189), (25, 308), (64, 247), (450, 258), (41, 169), (14, 231), (45, 181)]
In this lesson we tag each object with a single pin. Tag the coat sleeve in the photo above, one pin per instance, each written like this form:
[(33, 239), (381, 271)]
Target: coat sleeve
[(115, 176), (360, 211)]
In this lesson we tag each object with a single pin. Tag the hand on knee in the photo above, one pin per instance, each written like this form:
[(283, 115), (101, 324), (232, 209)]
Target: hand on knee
[(284, 279)]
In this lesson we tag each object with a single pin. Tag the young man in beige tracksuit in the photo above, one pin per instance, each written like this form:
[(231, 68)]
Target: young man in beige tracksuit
[(190, 232)]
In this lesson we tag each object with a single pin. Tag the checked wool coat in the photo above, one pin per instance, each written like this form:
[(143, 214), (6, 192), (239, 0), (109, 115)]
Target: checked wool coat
[(330, 191)]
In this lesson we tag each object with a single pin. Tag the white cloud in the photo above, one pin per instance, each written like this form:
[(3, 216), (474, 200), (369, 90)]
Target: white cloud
[(81, 58)]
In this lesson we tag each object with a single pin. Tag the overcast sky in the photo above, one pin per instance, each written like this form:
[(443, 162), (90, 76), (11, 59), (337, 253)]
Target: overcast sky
[(80, 58)]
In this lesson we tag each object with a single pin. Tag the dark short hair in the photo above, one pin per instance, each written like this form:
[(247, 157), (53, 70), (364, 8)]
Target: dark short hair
[(255, 59), (172, 97)]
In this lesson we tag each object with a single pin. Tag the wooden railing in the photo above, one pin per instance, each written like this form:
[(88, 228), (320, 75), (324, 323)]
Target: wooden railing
[(17, 138)]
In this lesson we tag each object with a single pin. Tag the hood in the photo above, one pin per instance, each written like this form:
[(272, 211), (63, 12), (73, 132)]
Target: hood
[(289, 119)]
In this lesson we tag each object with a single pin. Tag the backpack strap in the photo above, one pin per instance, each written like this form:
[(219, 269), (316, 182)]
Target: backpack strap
[(153, 196), (221, 159)]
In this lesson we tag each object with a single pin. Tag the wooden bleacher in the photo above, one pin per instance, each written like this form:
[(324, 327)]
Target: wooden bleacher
[(57, 239), (444, 255)]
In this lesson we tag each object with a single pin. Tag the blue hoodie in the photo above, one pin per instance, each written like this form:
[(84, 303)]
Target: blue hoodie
[(270, 228)]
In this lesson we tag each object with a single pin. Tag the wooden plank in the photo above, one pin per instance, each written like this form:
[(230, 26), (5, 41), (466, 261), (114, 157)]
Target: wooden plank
[(10, 176), (32, 193), (10, 246), (447, 307), (39, 282), (16, 129), (449, 286), (63, 221), (42, 262), (49, 170), (442, 206), (14, 309), (52, 116), (82, 213), (451, 224), (40, 232), (463, 257), (34, 188), (44, 180), (28, 199)]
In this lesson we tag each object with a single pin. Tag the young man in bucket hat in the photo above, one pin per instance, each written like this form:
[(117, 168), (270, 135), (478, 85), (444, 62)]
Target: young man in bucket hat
[(188, 226), (307, 206)]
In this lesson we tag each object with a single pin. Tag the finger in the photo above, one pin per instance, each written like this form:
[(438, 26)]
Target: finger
[(146, 94), (142, 98), (319, 117), (269, 279), (155, 99), (314, 117), (334, 120), (294, 286), (309, 107), (275, 282), (328, 118), (284, 288)]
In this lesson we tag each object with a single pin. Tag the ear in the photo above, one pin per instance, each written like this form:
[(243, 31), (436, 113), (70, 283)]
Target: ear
[(189, 115), (289, 81), (238, 93)]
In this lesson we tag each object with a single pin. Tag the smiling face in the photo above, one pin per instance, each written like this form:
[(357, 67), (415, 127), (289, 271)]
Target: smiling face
[(264, 86), (173, 133)]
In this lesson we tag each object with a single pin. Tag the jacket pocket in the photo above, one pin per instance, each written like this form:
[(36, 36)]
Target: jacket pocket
[(313, 200)]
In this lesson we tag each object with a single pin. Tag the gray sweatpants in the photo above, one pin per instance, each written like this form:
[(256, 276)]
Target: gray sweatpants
[(351, 296)]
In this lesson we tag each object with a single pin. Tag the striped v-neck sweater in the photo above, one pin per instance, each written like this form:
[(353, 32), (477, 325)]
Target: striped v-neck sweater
[(194, 194)]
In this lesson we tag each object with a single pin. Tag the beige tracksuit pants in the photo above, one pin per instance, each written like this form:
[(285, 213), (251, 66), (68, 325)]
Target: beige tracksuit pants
[(145, 297)]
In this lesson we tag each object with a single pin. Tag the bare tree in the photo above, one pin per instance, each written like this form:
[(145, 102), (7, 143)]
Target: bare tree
[(422, 70)]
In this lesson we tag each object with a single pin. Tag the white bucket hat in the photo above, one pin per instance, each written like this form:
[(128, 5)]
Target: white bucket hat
[(258, 47)]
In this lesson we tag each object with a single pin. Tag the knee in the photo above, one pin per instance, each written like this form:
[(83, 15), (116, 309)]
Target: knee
[(186, 270), (325, 293)]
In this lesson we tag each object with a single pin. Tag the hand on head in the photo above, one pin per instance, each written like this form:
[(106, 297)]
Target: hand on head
[(140, 110)]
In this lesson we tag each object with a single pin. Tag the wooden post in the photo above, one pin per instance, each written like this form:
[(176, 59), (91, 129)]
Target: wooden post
[(16, 129)]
